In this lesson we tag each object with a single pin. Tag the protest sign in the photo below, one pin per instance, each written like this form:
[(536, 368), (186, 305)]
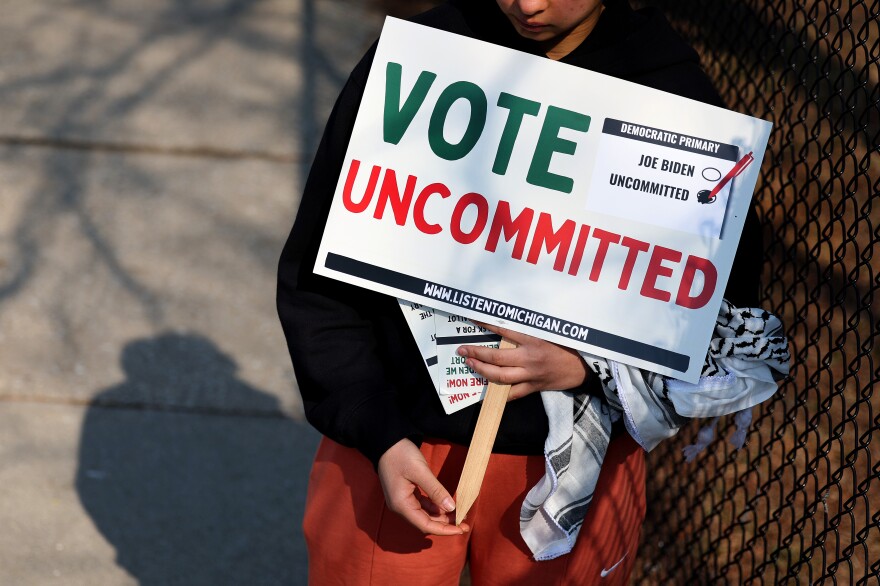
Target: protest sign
[(543, 198), (438, 335), (420, 320), (459, 386)]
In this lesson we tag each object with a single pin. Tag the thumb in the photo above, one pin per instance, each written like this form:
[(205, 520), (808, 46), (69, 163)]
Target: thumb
[(428, 483)]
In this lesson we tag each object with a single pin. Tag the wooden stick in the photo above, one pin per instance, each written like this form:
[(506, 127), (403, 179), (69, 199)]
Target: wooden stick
[(481, 445)]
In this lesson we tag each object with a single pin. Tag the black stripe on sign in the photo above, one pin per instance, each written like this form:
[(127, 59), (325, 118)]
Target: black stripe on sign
[(472, 339), (431, 361), (598, 338), (728, 152)]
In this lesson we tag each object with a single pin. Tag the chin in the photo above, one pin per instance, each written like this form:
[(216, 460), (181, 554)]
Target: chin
[(535, 35)]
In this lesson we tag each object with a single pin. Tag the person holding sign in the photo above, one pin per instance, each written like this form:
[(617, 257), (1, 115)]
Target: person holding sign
[(379, 508)]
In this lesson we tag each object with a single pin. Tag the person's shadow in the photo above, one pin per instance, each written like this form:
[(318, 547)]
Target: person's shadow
[(193, 496)]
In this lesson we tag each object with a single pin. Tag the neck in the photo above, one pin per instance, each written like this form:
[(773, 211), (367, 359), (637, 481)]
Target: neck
[(564, 44)]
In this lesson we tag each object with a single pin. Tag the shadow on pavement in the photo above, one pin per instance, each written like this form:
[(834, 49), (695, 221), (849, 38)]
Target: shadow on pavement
[(193, 498)]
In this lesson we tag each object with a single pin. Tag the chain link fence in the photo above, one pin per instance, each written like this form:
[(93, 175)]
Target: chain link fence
[(800, 504)]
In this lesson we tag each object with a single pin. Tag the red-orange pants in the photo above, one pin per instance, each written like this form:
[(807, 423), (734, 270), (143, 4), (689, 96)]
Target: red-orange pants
[(353, 539)]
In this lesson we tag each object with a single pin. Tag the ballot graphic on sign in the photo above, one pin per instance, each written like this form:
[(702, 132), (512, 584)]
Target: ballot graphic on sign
[(543, 198), (660, 176)]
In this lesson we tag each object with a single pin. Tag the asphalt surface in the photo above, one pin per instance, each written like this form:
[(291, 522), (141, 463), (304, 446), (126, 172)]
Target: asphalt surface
[(151, 160)]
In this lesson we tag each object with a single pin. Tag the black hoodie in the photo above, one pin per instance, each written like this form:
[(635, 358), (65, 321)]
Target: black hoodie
[(362, 379)]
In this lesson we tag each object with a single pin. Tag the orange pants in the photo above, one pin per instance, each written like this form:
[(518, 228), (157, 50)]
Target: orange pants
[(353, 539)]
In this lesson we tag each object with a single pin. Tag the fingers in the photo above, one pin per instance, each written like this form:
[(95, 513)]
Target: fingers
[(503, 375), (518, 378), (516, 337), (435, 513), (428, 505), (411, 509), (494, 356), (519, 391), (413, 492), (423, 478), (533, 365)]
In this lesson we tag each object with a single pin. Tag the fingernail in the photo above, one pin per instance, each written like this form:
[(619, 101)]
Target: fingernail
[(448, 504), (461, 351)]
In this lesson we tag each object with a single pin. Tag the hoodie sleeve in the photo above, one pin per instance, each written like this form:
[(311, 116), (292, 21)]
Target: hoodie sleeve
[(329, 325)]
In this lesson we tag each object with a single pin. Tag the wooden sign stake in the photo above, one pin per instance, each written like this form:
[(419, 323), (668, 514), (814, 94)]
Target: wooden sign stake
[(481, 445)]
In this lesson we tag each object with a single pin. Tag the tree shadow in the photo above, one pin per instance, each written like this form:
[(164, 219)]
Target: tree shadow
[(193, 497), (94, 106)]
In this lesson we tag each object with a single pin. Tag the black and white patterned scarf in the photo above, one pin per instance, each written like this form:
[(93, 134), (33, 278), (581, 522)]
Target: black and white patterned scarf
[(746, 356)]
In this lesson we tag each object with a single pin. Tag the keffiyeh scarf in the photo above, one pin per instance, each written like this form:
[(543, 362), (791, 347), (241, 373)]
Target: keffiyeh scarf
[(746, 356)]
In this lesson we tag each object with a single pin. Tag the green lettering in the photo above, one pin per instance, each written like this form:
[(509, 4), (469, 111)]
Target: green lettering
[(549, 142), (397, 117), (477, 99), (518, 107)]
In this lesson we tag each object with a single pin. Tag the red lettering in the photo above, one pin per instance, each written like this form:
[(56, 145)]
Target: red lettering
[(419, 208), (710, 278), (482, 217), (502, 222), (349, 203), (399, 204), (605, 238), (545, 237), (579, 250), (635, 247), (657, 269)]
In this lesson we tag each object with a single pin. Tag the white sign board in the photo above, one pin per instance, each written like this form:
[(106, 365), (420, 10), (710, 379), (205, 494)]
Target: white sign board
[(544, 198)]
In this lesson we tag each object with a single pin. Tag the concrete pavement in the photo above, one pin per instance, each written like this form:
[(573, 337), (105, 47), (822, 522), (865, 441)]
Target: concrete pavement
[(151, 159)]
